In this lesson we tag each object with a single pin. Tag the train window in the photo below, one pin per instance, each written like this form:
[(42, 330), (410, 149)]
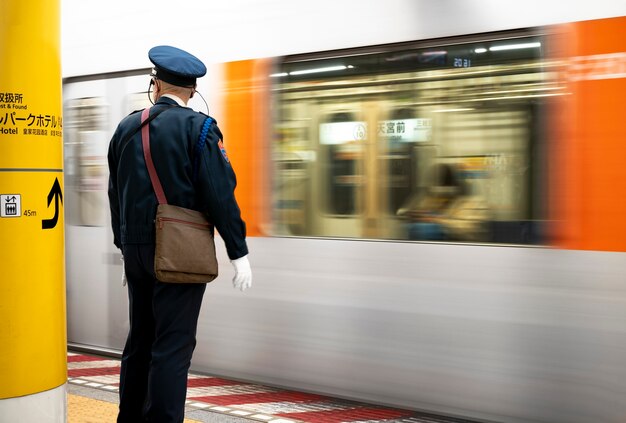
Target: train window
[(86, 141), (136, 101), (86, 170), (436, 141)]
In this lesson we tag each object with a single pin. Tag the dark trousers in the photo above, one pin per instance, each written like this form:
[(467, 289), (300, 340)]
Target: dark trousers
[(161, 340)]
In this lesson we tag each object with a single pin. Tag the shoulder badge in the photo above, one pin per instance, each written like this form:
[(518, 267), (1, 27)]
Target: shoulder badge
[(220, 145)]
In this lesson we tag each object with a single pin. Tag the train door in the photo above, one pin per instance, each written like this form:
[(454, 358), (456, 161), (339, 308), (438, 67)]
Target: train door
[(367, 161), (342, 137)]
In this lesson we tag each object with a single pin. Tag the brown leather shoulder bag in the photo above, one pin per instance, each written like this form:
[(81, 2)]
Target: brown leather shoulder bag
[(185, 247)]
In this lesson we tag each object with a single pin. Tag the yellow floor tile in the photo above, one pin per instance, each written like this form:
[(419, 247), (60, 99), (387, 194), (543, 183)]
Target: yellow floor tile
[(87, 410)]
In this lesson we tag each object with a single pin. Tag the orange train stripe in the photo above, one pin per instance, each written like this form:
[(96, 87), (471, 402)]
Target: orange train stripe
[(590, 187), (245, 135)]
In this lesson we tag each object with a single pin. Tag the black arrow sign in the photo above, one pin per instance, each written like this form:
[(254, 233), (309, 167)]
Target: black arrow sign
[(56, 193)]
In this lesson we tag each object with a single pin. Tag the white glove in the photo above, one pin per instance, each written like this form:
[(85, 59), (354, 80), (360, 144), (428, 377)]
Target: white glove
[(243, 273), (123, 272)]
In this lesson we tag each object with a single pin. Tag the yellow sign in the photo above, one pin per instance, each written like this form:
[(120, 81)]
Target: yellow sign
[(32, 259)]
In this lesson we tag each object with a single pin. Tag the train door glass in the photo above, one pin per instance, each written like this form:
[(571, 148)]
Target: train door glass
[(338, 175), (402, 136), (341, 147), (406, 151)]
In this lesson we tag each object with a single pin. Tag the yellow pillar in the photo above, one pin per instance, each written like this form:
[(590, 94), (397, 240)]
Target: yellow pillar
[(33, 363)]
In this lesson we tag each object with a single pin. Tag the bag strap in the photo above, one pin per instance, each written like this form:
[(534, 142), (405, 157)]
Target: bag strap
[(126, 140), (145, 142)]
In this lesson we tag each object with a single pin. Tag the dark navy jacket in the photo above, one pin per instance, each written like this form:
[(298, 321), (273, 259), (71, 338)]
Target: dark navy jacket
[(173, 136)]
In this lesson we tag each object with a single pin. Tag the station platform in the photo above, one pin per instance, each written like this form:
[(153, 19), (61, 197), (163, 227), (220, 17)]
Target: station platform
[(93, 383)]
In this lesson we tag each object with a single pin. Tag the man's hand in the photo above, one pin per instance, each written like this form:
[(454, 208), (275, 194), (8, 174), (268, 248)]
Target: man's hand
[(243, 273), (124, 280)]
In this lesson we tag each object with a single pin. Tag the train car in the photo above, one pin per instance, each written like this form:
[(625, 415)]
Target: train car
[(434, 198)]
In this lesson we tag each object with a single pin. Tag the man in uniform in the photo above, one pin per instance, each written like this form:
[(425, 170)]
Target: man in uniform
[(164, 316)]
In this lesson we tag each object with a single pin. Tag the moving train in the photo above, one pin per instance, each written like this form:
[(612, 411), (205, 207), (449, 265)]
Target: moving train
[(435, 215)]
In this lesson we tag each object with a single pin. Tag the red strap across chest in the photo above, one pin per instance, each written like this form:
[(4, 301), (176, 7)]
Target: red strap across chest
[(145, 142)]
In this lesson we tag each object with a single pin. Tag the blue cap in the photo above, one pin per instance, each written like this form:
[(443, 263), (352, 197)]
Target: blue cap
[(176, 66)]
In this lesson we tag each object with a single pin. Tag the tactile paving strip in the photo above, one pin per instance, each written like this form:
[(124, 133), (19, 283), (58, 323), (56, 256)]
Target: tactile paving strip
[(252, 401), (87, 410)]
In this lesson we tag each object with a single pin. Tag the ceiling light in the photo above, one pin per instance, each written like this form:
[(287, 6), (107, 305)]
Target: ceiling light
[(514, 46), (319, 70)]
